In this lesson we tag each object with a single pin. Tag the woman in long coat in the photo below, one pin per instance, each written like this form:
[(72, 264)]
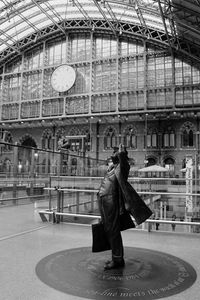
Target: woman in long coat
[(116, 197)]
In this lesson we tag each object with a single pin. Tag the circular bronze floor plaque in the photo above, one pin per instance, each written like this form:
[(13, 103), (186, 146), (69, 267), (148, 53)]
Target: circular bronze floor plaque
[(147, 274)]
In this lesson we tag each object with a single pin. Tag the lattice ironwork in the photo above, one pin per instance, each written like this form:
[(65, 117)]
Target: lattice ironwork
[(153, 36), (179, 22)]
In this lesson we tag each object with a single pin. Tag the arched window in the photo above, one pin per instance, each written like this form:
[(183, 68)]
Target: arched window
[(59, 135), (191, 138), (9, 140), (110, 139), (148, 140), (172, 139), (47, 142), (130, 140), (166, 140), (184, 163), (88, 139), (169, 164), (185, 138), (7, 166), (169, 139), (28, 141), (5, 136), (46, 166), (74, 131), (151, 161), (188, 135), (152, 139), (75, 141)]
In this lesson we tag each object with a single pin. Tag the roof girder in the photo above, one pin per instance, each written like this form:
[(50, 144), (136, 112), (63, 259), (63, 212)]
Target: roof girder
[(81, 9), (48, 16), (96, 2), (168, 9), (170, 41), (154, 36), (176, 41)]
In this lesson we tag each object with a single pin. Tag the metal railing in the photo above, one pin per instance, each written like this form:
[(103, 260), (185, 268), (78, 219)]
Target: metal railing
[(69, 206), (67, 182)]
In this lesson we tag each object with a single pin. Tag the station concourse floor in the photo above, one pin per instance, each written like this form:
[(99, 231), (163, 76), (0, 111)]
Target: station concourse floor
[(25, 240)]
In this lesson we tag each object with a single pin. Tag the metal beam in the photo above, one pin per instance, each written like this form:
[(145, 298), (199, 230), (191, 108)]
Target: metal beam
[(56, 14), (105, 17), (10, 46), (139, 13), (81, 9), (25, 19), (159, 38), (178, 43), (167, 8), (111, 13), (48, 16)]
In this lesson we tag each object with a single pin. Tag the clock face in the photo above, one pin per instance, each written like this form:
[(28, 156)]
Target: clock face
[(63, 78)]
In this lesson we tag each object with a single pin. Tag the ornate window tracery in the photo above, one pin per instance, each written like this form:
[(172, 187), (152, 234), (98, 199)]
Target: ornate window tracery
[(87, 139), (187, 135), (110, 138), (152, 138), (130, 138), (169, 164), (59, 135), (6, 137), (47, 142), (169, 138)]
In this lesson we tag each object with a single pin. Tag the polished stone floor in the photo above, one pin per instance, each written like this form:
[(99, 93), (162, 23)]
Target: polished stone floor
[(25, 240)]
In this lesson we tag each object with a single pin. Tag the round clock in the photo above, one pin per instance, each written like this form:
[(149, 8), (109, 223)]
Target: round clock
[(63, 78)]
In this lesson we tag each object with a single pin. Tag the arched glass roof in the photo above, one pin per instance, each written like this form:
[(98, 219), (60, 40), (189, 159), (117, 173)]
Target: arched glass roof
[(26, 21)]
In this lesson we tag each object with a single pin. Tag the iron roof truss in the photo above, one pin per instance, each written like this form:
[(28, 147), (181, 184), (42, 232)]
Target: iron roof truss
[(180, 19), (97, 25)]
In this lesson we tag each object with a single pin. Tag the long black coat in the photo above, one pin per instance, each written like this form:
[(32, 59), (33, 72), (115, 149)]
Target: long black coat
[(129, 197)]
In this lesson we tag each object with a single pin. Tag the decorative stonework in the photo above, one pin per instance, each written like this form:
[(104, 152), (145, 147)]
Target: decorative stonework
[(188, 126)]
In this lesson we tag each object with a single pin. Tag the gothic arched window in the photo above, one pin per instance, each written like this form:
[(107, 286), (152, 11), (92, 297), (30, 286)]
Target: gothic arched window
[(169, 164), (191, 138), (151, 139), (154, 140), (188, 135), (47, 142), (6, 137), (88, 139), (130, 140), (110, 139), (151, 161), (59, 136), (169, 139)]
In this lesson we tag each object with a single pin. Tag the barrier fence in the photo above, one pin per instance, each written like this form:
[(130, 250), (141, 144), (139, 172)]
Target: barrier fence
[(67, 183), (81, 204)]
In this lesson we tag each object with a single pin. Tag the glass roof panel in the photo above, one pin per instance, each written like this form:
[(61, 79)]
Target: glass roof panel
[(34, 19), (28, 32), (2, 47), (20, 18), (44, 24), (33, 10)]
